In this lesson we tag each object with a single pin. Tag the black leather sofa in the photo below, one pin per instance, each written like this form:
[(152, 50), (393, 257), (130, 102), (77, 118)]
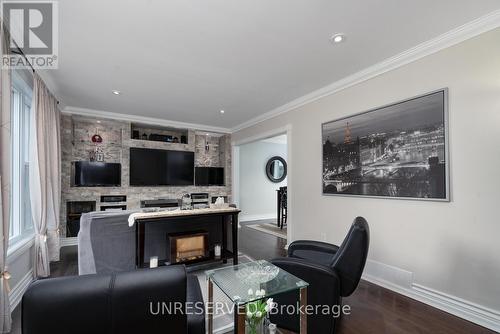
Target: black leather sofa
[(332, 272), (121, 303)]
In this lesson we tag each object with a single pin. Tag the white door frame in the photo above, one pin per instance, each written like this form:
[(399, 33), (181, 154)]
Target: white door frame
[(235, 151)]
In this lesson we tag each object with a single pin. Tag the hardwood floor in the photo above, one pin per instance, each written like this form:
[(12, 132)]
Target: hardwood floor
[(68, 265), (379, 310), (374, 309), (260, 245)]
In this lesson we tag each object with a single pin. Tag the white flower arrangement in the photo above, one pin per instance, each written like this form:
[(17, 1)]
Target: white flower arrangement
[(257, 310)]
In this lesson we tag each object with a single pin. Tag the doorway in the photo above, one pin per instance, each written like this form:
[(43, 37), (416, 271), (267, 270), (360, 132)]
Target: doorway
[(261, 182)]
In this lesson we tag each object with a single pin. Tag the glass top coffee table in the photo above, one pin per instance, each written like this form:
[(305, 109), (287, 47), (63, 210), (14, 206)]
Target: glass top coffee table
[(236, 281)]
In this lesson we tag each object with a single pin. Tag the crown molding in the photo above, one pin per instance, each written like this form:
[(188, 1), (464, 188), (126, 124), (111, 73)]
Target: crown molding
[(142, 119), (469, 30)]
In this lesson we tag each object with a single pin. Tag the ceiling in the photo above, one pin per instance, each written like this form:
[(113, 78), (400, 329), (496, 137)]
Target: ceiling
[(185, 60)]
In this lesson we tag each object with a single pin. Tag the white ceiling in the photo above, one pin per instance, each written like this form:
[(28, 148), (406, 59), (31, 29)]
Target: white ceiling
[(184, 60)]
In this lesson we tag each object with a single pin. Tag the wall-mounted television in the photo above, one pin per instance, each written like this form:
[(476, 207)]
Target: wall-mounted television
[(209, 176), (152, 167), (96, 174)]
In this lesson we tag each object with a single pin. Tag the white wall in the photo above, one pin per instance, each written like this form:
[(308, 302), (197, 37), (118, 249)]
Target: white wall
[(257, 198), (450, 249)]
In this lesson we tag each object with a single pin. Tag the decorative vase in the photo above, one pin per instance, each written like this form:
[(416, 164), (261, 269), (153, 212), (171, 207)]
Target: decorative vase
[(255, 328)]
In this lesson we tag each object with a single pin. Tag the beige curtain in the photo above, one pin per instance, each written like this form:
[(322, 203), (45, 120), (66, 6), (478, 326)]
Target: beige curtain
[(45, 175), (5, 160)]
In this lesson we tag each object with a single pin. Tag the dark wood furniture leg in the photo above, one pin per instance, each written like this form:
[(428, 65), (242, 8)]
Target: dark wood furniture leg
[(139, 244), (234, 222), (285, 216), (224, 239), (210, 306), (239, 319), (303, 315), (278, 204)]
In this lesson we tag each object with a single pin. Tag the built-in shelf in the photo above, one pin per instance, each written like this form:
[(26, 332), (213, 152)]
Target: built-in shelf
[(157, 144), (148, 132)]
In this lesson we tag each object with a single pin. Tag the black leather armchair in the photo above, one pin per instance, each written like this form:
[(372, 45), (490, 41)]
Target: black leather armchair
[(332, 273), (123, 303)]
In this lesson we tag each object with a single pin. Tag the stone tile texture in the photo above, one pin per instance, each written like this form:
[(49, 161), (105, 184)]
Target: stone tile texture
[(76, 134)]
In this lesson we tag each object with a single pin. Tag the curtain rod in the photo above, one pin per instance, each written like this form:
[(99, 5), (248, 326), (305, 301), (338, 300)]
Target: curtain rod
[(18, 51)]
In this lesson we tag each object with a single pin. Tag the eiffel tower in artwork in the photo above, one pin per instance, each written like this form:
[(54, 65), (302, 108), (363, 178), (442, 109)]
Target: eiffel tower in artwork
[(347, 134)]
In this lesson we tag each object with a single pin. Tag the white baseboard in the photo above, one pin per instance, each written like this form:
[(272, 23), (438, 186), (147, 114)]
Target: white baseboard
[(397, 276), (17, 292), (247, 218), (68, 242), (401, 281), (462, 308)]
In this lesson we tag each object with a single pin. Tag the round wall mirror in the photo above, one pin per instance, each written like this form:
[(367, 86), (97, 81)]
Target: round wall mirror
[(276, 169)]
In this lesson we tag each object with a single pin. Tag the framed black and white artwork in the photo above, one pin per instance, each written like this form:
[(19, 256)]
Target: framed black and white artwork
[(396, 151)]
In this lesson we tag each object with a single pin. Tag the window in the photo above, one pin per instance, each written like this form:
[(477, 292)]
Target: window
[(21, 223)]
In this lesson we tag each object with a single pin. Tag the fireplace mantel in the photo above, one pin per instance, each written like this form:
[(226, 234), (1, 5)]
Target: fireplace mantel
[(180, 213), (222, 216)]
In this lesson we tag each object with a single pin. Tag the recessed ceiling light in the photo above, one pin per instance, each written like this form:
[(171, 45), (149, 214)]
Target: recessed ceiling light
[(116, 92), (222, 111), (99, 122), (337, 38)]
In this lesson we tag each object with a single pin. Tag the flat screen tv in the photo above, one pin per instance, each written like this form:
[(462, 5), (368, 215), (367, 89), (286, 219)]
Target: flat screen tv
[(209, 176), (152, 167), (96, 174)]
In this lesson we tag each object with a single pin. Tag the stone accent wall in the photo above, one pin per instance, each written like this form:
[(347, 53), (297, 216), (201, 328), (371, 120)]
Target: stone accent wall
[(208, 151), (76, 134)]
